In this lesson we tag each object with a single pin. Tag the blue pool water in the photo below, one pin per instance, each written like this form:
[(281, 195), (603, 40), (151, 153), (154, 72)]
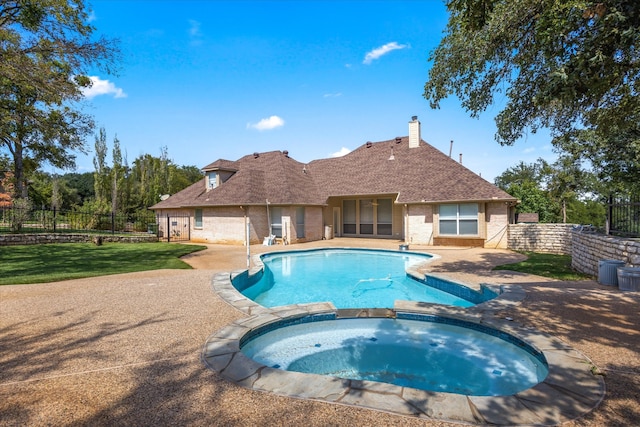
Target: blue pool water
[(349, 278), (440, 356)]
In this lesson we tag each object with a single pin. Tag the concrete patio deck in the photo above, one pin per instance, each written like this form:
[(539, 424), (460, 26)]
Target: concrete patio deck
[(125, 349)]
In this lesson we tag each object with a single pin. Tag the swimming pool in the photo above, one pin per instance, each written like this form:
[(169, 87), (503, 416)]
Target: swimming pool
[(423, 352), (350, 278)]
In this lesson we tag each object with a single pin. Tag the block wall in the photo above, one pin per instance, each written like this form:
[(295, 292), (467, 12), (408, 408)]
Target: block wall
[(549, 238), (42, 238), (589, 249)]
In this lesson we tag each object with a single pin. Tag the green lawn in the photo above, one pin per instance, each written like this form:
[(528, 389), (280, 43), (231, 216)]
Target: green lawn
[(546, 265), (55, 262)]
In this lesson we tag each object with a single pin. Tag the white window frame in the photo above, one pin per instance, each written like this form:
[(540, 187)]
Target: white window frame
[(212, 180), (459, 217), (195, 219), (300, 212)]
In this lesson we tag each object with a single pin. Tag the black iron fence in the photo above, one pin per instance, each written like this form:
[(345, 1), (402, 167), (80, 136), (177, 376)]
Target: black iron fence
[(624, 216), (16, 220)]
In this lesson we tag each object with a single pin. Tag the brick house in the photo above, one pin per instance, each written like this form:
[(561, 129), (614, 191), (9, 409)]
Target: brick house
[(403, 189)]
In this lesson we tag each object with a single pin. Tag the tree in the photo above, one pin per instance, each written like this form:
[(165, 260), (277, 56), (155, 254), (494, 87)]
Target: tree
[(527, 183), (562, 191), (571, 66), (102, 172), (46, 50)]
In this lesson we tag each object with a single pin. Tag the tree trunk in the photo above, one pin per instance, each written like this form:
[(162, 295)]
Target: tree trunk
[(19, 189)]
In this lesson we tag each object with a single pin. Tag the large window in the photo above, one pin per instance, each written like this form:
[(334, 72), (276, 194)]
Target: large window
[(198, 218), (349, 216), (300, 222), (459, 220), (276, 221), (367, 217), (385, 217)]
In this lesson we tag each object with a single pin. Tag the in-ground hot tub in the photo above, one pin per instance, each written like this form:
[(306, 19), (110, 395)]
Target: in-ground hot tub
[(567, 390), (424, 352)]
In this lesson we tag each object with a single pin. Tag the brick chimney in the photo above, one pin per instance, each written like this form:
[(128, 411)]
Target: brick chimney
[(414, 132)]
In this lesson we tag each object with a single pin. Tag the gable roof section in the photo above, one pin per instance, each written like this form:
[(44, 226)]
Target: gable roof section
[(417, 175), (420, 174), (272, 176)]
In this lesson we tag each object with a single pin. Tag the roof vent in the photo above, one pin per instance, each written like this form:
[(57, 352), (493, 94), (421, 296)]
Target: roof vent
[(369, 144), (398, 140), (286, 153), (256, 155)]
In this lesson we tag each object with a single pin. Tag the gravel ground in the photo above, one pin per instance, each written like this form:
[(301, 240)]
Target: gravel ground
[(125, 349)]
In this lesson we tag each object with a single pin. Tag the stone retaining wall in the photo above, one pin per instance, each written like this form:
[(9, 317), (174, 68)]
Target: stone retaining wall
[(549, 238), (35, 239), (589, 249)]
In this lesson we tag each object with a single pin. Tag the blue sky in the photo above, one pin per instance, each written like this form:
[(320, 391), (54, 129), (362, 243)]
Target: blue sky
[(221, 79)]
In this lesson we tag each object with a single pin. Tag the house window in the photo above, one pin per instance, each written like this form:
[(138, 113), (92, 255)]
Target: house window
[(349, 216), (276, 221), (385, 217), (212, 180), (198, 218), (300, 222), (366, 216), (459, 220)]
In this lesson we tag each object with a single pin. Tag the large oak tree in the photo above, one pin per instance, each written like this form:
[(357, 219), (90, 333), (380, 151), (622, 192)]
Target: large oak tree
[(571, 66), (47, 49)]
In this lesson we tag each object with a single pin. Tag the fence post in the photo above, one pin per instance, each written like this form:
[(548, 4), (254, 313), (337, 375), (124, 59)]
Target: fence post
[(113, 222), (54, 219), (168, 229)]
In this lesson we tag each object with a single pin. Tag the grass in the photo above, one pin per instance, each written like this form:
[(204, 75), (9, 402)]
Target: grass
[(54, 262), (546, 265)]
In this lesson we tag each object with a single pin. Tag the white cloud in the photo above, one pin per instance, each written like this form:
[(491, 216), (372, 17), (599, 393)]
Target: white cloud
[(382, 50), (102, 87), (343, 151), (267, 124), (194, 28), (332, 95), (529, 150)]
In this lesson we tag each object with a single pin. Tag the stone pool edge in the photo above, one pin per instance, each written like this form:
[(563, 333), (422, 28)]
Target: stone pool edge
[(570, 391)]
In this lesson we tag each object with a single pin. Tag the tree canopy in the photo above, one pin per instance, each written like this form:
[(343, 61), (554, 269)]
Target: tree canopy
[(571, 66), (47, 49), (558, 192)]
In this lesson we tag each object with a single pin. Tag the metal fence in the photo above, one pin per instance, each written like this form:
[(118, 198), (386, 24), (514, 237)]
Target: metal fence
[(624, 216), (15, 220)]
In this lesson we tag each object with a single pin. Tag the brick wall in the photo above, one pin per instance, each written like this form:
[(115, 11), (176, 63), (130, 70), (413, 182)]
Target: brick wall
[(420, 224), (589, 249), (36, 239), (497, 222), (550, 238), (586, 249)]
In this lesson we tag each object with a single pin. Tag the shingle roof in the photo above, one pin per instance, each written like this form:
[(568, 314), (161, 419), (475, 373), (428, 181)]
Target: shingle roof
[(272, 176), (419, 174)]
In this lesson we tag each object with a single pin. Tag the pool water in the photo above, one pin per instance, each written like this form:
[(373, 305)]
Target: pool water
[(349, 278), (426, 355)]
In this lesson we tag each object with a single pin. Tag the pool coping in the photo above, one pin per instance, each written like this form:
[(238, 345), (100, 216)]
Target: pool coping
[(572, 388)]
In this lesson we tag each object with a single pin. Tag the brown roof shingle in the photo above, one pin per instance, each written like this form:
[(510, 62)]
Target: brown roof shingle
[(420, 174)]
